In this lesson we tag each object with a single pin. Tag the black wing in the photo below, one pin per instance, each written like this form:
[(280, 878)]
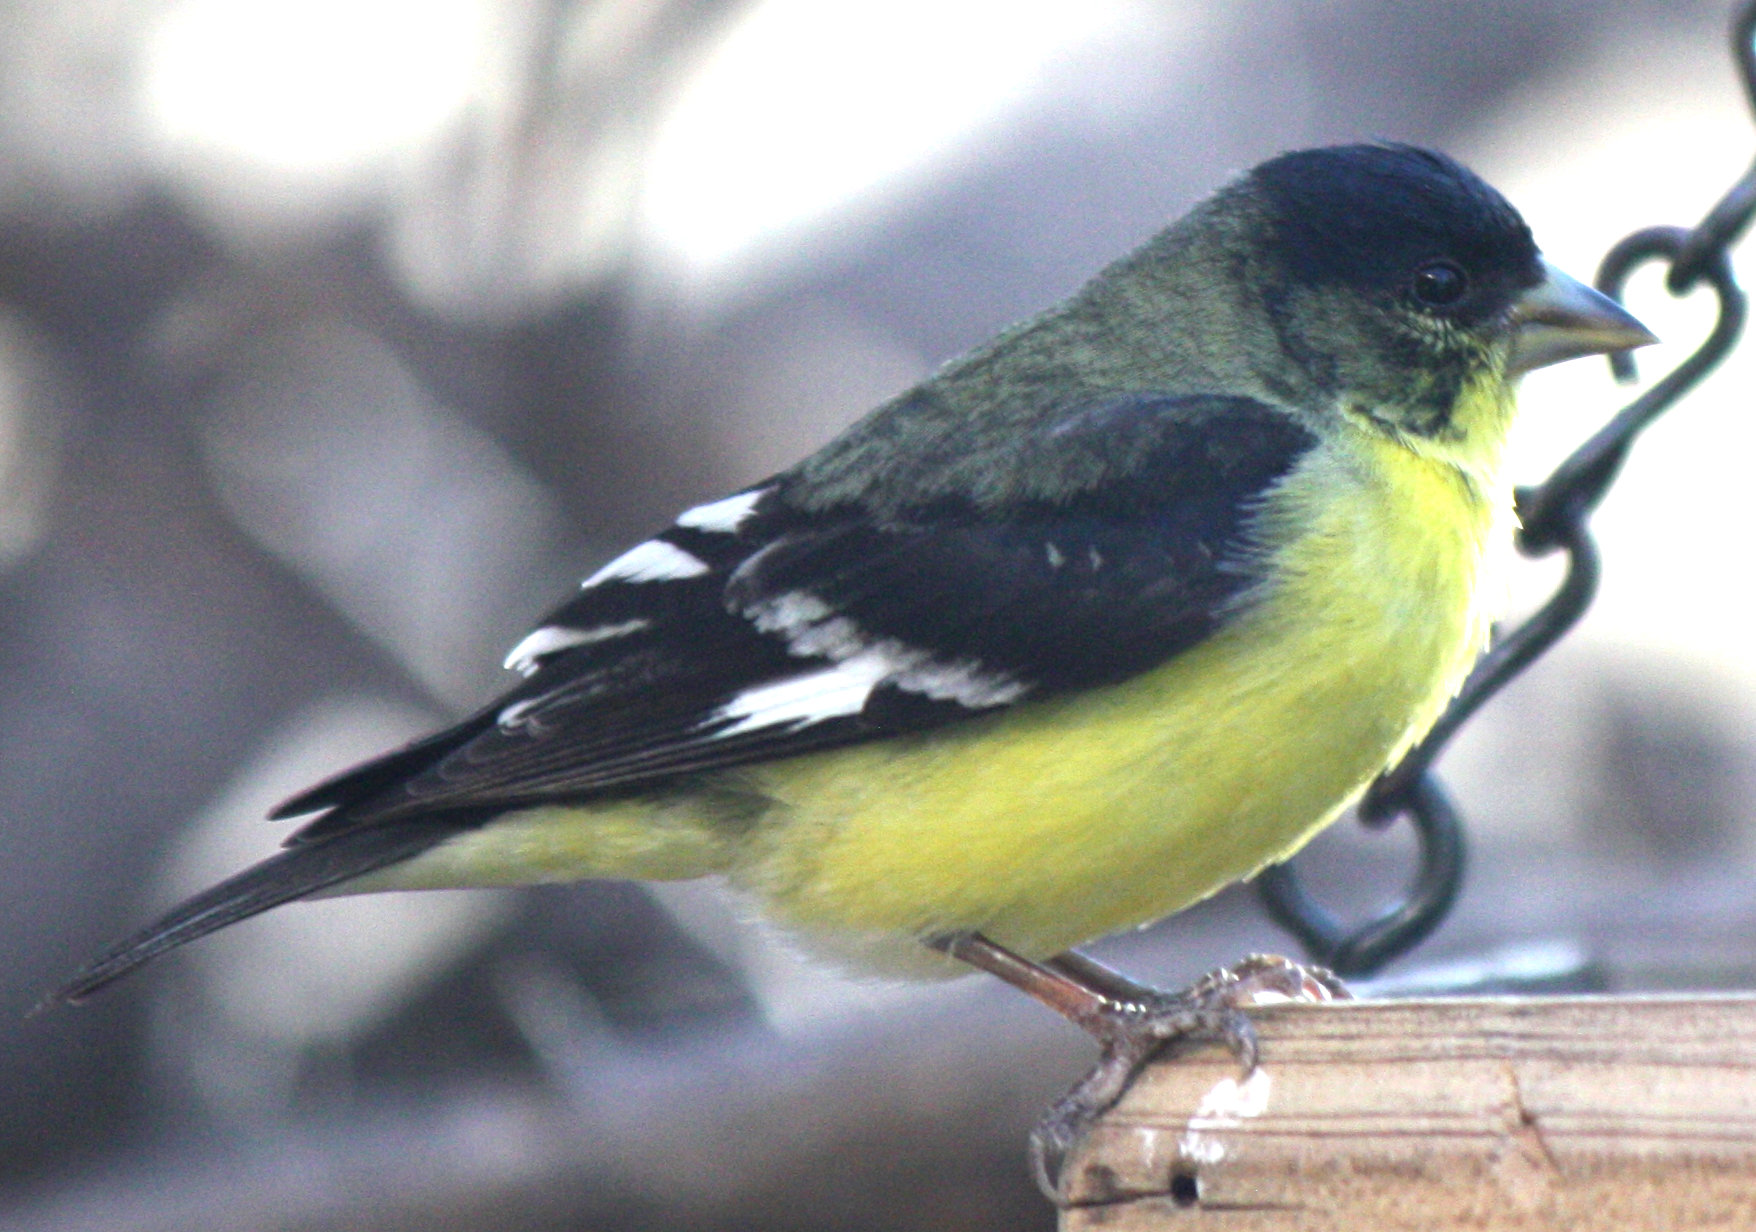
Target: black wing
[(767, 624), (755, 629)]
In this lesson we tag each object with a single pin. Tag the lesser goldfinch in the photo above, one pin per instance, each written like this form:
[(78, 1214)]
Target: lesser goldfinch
[(1111, 611)]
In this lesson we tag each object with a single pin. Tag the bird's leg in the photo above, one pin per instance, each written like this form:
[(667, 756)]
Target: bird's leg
[(1260, 979), (1132, 1022), (1107, 980)]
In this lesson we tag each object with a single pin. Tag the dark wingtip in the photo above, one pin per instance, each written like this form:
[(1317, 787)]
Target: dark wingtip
[(309, 801), (52, 1001), (288, 875), (277, 880), (94, 976), (360, 784)]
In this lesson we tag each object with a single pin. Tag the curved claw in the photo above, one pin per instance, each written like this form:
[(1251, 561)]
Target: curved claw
[(1133, 1023), (1136, 1029), (1132, 1035)]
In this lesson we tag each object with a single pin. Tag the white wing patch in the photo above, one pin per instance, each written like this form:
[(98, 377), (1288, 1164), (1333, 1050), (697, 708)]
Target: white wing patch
[(799, 701), (862, 663), (957, 681), (812, 630), (517, 715), (723, 516), (652, 561), (809, 626), (552, 639)]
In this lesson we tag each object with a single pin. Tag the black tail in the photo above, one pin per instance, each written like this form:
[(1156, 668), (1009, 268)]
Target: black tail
[(300, 870)]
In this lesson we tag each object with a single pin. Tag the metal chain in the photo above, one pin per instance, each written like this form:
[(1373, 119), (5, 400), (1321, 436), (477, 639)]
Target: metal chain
[(1554, 517)]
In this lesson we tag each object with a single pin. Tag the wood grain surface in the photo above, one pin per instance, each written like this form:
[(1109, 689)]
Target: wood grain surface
[(1574, 1113)]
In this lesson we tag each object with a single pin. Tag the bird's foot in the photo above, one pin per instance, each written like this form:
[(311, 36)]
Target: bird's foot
[(1134, 1023)]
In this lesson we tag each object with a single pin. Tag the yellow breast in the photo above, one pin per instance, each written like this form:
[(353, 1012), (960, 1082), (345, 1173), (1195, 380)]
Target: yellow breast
[(1068, 819), (1065, 819)]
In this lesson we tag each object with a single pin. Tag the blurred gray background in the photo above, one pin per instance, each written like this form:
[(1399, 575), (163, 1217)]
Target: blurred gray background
[(339, 338)]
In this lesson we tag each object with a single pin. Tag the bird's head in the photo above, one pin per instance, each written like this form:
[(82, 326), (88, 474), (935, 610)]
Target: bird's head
[(1408, 292)]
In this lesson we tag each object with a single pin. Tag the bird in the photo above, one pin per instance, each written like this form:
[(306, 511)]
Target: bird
[(1116, 609)]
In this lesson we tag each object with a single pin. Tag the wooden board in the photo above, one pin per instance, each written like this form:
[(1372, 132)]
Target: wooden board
[(1571, 1113)]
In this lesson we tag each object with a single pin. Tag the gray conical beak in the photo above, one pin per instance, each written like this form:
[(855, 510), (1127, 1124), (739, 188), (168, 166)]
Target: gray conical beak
[(1562, 318)]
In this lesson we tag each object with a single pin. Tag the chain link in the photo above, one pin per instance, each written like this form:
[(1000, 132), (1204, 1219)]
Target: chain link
[(1554, 517)]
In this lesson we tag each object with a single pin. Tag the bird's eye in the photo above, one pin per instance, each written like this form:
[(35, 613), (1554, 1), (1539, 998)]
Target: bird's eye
[(1440, 284)]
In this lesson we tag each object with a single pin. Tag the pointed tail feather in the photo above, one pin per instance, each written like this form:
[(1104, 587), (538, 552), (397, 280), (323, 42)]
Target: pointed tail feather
[(287, 875)]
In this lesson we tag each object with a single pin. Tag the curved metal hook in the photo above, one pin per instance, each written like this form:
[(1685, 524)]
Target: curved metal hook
[(1594, 464), (1726, 221), (1554, 516), (1362, 949)]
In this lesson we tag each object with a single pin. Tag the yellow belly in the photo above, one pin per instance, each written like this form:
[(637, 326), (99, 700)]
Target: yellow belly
[(1063, 820)]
